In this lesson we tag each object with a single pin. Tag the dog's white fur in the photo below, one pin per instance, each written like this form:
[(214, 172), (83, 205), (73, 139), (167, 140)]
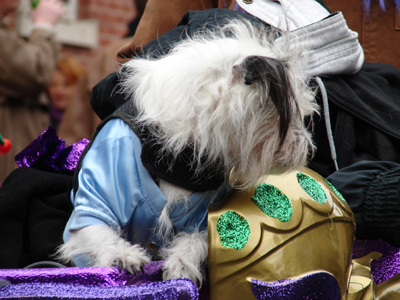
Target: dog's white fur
[(195, 95), (173, 194)]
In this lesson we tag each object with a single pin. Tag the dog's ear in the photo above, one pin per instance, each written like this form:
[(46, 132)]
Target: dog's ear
[(271, 74)]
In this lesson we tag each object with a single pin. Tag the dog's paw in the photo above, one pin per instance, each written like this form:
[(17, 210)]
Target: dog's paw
[(178, 268), (102, 246), (185, 256), (125, 256)]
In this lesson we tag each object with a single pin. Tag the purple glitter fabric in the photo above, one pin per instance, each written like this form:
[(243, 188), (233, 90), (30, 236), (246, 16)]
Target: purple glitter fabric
[(94, 283), (387, 265), (182, 289), (84, 276), (48, 153), (109, 283), (320, 285)]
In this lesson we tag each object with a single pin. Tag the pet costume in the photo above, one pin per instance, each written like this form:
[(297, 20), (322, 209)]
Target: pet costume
[(263, 228), (144, 209), (180, 171)]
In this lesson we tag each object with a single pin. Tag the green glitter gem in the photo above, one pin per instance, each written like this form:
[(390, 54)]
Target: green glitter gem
[(311, 187), (335, 190), (272, 202), (234, 230)]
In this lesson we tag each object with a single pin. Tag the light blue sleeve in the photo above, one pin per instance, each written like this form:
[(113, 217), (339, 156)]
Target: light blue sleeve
[(111, 180)]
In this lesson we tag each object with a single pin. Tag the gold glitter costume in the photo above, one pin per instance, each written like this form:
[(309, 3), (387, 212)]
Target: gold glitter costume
[(288, 226)]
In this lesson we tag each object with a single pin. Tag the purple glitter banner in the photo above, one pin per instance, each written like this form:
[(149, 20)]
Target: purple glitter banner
[(84, 276), (94, 283), (182, 289)]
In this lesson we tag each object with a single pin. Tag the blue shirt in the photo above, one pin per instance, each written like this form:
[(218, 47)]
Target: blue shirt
[(115, 189)]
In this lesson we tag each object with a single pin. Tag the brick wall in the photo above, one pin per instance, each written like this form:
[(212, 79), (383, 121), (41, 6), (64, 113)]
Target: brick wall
[(113, 17)]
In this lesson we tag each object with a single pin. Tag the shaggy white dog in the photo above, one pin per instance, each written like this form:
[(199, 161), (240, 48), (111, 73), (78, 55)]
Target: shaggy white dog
[(239, 100)]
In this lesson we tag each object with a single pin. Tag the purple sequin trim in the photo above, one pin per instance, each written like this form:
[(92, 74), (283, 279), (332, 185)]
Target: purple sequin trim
[(94, 283), (48, 153), (387, 266), (318, 285)]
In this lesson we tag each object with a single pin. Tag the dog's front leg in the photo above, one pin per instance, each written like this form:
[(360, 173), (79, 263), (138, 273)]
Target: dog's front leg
[(185, 256), (101, 246)]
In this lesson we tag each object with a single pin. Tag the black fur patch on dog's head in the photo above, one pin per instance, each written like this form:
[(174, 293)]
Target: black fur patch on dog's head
[(272, 74)]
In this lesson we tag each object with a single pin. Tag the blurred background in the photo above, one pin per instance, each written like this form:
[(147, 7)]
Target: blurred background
[(86, 27), (58, 70)]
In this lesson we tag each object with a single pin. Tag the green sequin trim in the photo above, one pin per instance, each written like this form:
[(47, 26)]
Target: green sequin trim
[(335, 190), (272, 202), (234, 230), (311, 187)]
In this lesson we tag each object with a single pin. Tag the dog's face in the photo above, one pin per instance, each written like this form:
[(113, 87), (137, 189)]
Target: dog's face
[(233, 95)]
